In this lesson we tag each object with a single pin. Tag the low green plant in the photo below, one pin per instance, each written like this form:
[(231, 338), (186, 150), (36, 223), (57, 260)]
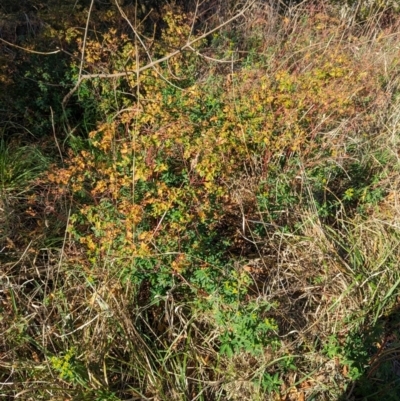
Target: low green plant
[(271, 383), (231, 227)]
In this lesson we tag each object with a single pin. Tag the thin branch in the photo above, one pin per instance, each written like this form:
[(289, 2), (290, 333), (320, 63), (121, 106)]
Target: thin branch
[(55, 136), (194, 19), (155, 62), (84, 39), (29, 50), (216, 60), (138, 38), (121, 11)]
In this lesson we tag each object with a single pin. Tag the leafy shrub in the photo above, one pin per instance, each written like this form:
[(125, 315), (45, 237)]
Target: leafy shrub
[(226, 221)]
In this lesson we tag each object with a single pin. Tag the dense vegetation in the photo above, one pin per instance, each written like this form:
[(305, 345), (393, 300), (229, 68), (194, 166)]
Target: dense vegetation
[(199, 200)]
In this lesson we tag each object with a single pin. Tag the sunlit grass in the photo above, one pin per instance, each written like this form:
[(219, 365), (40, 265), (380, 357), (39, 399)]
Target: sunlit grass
[(236, 239)]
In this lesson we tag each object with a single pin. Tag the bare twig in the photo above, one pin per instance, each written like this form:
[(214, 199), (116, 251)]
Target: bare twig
[(55, 136), (84, 39), (153, 63), (139, 39), (29, 50), (215, 60)]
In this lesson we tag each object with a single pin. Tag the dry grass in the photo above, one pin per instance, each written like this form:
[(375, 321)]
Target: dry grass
[(78, 327)]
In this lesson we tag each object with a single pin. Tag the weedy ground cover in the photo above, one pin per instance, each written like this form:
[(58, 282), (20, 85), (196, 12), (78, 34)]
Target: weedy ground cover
[(223, 226)]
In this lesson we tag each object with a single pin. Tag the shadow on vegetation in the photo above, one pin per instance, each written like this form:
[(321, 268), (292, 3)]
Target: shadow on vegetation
[(374, 359)]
